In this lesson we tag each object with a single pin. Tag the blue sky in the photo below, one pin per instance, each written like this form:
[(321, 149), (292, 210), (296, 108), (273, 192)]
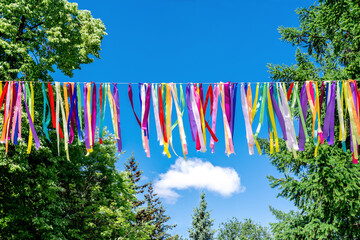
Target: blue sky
[(195, 41)]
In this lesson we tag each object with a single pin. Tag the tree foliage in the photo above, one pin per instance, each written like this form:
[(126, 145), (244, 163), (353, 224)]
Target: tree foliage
[(325, 189), (36, 35), (45, 196), (201, 222), (233, 229), (42, 194), (148, 207)]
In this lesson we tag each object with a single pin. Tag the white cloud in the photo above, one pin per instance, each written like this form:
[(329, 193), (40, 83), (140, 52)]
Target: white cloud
[(195, 173)]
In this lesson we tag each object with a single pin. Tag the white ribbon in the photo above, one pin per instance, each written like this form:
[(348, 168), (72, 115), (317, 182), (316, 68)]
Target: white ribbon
[(229, 146), (249, 132), (340, 111), (213, 117), (291, 141), (180, 121), (197, 119), (59, 101), (156, 114)]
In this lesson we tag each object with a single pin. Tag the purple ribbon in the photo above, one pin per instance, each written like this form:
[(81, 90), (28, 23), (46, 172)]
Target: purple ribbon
[(147, 109), (233, 108), (321, 97), (117, 104), (37, 143), (93, 114), (87, 141), (191, 114), (70, 117), (328, 129), (303, 101), (231, 124), (227, 101), (278, 112), (74, 114)]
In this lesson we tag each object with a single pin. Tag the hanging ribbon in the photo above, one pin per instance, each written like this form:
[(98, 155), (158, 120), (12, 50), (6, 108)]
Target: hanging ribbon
[(156, 113), (229, 147), (245, 108), (162, 121), (213, 117), (328, 129), (180, 121), (53, 115), (117, 106), (197, 118), (16, 126), (191, 114), (46, 120), (86, 118), (30, 118), (59, 104), (340, 108)]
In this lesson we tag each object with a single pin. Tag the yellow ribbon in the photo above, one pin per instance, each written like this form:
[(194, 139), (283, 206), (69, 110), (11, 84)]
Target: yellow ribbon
[(272, 119), (112, 110), (88, 100), (31, 106), (202, 116), (66, 100)]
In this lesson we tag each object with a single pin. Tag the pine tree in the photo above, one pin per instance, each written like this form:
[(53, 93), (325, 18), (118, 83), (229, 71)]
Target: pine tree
[(201, 222), (156, 210), (325, 188), (148, 208), (142, 216)]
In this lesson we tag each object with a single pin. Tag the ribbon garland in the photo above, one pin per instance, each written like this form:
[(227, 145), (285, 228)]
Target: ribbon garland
[(275, 99)]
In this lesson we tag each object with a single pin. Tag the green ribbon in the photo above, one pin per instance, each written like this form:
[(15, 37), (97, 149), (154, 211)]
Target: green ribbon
[(261, 118), (103, 107), (46, 121), (182, 100), (79, 107)]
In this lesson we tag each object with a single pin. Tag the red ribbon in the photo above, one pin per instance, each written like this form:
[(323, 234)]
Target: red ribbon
[(132, 103), (52, 107), (161, 115), (290, 90), (210, 94), (100, 94)]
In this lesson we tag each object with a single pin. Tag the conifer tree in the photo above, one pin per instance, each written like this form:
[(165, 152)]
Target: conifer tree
[(148, 207), (324, 188), (201, 222), (156, 210), (142, 216)]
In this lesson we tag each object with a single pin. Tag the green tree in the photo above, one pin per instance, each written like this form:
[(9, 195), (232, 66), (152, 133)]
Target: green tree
[(36, 35), (201, 222), (148, 207), (325, 188), (159, 218), (233, 229), (42, 194), (142, 217)]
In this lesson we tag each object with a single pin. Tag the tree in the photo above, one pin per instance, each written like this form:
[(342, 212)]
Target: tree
[(323, 188), (201, 222), (233, 229), (142, 217), (148, 207), (42, 194), (159, 218), (36, 35)]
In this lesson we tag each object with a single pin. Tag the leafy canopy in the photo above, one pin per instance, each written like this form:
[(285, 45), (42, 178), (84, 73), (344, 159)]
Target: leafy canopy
[(38, 35), (325, 189)]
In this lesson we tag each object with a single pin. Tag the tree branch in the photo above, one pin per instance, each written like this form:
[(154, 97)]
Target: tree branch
[(37, 25)]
